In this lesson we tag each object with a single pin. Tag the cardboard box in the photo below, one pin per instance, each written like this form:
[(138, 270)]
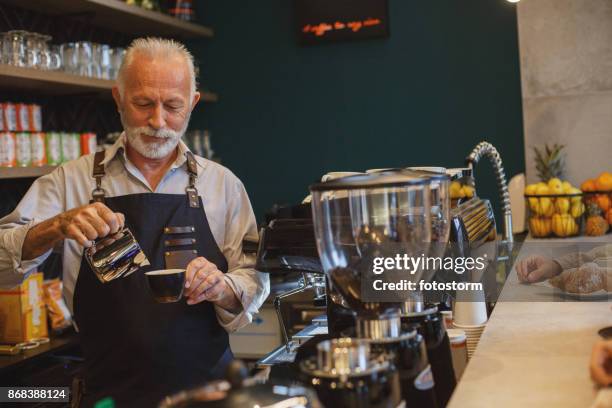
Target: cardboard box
[(23, 316)]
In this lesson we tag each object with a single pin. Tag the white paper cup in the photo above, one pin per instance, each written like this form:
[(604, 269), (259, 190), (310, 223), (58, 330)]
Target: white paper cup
[(470, 313)]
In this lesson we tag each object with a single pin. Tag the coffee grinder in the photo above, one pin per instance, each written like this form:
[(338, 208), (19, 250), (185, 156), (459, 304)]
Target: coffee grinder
[(361, 218)]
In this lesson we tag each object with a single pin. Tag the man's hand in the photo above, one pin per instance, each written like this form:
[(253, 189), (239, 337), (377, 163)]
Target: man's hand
[(601, 362), (84, 224), (204, 281), (536, 268)]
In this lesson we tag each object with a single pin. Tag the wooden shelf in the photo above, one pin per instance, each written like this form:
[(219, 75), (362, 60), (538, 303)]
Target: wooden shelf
[(60, 83), (24, 172), (118, 16), (57, 344), (50, 82)]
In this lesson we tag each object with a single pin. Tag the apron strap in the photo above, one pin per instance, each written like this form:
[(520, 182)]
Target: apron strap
[(191, 190), (98, 193)]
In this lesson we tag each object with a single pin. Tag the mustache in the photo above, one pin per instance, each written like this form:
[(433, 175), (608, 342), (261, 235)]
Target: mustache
[(162, 133)]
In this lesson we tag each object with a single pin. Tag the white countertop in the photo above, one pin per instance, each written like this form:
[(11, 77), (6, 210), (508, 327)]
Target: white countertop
[(534, 354)]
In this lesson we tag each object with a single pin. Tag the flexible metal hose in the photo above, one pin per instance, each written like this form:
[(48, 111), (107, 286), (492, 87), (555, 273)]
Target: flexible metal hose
[(486, 149)]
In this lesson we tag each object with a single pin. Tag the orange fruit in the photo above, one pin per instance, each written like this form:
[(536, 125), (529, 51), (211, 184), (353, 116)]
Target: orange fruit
[(604, 182), (603, 201), (588, 185), (596, 226), (609, 216)]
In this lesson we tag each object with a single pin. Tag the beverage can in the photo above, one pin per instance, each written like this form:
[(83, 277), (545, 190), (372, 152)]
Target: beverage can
[(7, 150), (71, 146), (39, 155), (23, 146), (54, 148), (88, 143), (23, 117), (35, 117), (10, 119)]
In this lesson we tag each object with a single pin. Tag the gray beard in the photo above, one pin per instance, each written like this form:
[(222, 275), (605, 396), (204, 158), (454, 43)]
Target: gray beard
[(167, 139)]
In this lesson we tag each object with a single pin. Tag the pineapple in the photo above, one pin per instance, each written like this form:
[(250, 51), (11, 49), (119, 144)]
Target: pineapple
[(550, 163)]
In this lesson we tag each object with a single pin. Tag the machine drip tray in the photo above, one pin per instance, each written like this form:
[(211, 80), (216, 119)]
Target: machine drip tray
[(280, 355)]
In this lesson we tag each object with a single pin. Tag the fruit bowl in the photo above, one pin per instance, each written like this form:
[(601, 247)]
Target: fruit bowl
[(598, 201), (599, 204), (559, 215)]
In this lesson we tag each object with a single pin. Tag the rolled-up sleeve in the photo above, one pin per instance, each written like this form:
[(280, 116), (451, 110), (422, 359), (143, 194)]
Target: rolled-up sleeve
[(43, 200), (250, 286)]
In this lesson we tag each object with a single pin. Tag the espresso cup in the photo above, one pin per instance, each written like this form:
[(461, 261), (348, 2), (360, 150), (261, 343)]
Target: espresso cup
[(166, 285)]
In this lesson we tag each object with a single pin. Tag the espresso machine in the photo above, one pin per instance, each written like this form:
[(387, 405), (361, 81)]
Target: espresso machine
[(287, 246)]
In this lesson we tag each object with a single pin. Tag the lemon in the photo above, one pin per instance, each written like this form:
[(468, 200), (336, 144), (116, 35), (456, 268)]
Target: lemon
[(468, 191), (577, 199), (542, 189), (555, 186), (577, 209), (534, 204), (567, 187), (455, 189), (547, 206), (562, 205), (531, 189)]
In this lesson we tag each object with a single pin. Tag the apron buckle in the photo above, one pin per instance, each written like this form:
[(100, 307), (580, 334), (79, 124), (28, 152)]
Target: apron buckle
[(98, 195), (192, 195)]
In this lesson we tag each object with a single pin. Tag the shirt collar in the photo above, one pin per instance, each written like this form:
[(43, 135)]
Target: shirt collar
[(118, 150)]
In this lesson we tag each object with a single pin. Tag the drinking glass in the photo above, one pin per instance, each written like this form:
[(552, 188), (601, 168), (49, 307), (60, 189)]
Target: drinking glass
[(68, 57), (84, 58), (104, 58), (15, 48), (101, 60), (116, 55), (32, 50), (55, 57), (3, 53), (44, 54)]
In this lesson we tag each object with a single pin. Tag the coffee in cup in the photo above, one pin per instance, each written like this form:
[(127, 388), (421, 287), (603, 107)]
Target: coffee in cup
[(166, 285)]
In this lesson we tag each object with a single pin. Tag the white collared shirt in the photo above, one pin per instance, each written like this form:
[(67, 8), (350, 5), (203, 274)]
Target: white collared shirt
[(225, 200)]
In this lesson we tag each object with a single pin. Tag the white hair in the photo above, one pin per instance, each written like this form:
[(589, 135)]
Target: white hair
[(154, 47)]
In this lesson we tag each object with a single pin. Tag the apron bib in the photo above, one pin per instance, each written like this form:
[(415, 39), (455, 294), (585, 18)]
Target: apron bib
[(137, 350)]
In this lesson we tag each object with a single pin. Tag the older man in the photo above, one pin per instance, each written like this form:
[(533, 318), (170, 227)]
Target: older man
[(176, 204)]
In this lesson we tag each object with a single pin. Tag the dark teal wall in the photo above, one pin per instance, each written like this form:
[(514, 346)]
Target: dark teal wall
[(447, 78)]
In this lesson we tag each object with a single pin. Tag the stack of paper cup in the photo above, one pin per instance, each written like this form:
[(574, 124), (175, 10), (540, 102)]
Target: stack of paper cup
[(473, 333), (470, 315)]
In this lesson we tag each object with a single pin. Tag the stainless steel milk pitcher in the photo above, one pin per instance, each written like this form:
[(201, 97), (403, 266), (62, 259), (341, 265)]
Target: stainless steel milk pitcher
[(117, 255)]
